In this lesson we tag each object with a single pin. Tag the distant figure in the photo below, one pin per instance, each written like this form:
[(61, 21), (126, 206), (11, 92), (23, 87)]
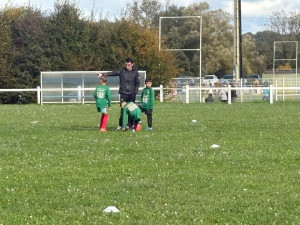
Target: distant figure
[(173, 91), (209, 98), (266, 91), (233, 93), (223, 95), (255, 83)]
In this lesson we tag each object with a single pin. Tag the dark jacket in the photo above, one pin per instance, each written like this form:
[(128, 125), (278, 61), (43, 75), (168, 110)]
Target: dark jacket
[(129, 80)]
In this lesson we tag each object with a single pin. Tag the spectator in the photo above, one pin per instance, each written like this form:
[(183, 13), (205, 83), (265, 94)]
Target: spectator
[(223, 95), (209, 98), (129, 84), (233, 93), (173, 91), (266, 91)]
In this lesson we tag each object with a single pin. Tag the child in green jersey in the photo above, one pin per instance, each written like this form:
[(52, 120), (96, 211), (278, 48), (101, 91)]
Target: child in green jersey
[(131, 111), (147, 102), (102, 95)]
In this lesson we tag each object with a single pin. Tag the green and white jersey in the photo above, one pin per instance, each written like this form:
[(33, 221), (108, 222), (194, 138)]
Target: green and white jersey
[(147, 98), (102, 95), (132, 111)]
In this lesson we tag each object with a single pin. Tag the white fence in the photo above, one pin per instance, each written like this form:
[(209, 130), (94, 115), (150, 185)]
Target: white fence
[(189, 94), (37, 90), (186, 94)]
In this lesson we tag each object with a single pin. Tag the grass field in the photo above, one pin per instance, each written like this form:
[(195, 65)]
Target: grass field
[(56, 168)]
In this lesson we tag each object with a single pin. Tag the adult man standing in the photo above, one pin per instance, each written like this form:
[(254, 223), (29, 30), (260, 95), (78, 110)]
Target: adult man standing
[(129, 83)]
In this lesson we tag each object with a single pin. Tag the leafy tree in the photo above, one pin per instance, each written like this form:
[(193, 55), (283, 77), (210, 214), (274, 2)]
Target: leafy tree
[(142, 11), (253, 62), (217, 43), (160, 65), (217, 39), (6, 80), (284, 26), (28, 52), (69, 42), (25, 53), (265, 45), (285, 23), (171, 10), (129, 39), (99, 44)]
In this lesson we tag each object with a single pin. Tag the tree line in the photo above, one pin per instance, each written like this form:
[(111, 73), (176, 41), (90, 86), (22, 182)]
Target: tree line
[(32, 40)]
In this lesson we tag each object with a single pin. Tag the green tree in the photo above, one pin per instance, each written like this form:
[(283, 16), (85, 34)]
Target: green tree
[(285, 23), (65, 31), (22, 60), (6, 80), (217, 43), (28, 54), (160, 65), (142, 11), (217, 39), (129, 39), (283, 26), (264, 42), (73, 43), (253, 62)]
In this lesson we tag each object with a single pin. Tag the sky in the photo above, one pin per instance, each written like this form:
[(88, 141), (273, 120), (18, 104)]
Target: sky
[(110, 9)]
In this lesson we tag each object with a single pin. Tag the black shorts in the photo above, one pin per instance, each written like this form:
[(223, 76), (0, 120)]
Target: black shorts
[(127, 97)]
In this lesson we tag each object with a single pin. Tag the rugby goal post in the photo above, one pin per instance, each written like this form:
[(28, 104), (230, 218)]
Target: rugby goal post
[(184, 49), (276, 43)]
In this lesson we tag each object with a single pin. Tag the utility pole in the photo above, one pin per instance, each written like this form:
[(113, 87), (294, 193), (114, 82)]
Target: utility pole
[(237, 67)]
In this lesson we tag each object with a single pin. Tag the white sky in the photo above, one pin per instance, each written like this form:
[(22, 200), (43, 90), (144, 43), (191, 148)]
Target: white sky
[(250, 8)]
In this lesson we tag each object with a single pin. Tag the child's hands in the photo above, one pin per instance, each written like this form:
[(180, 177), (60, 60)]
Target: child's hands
[(99, 74)]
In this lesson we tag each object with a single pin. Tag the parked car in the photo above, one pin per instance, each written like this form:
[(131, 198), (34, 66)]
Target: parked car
[(183, 81), (253, 80), (210, 80), (226, 79)]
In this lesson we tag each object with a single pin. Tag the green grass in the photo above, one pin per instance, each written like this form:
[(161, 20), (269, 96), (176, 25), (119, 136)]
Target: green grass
[(56, 168)]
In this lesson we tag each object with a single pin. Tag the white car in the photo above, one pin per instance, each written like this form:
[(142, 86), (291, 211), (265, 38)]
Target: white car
[(210, 80), (183, 81)]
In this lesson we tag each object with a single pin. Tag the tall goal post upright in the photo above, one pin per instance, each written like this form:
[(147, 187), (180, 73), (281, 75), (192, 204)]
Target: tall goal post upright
[(283, 59), (195, 49)]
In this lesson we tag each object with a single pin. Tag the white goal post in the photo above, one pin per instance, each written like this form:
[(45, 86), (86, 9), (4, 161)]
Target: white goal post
[(183, 49), (283, 59)]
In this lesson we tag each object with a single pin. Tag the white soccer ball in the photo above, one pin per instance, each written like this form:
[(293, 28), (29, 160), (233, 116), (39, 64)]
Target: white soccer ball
[(111, 209), (215, 146)]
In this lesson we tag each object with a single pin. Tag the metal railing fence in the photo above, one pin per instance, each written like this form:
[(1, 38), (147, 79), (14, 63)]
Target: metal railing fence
[(185, 94)]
